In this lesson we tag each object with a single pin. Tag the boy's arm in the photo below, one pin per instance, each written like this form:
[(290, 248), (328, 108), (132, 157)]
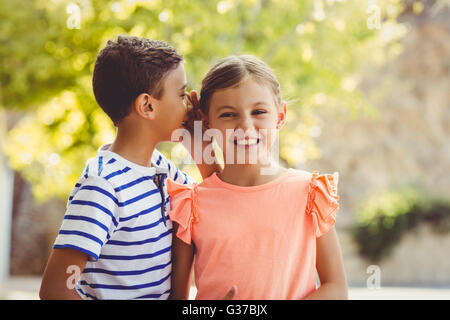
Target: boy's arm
[(333, 284), (182, 258), (90, 216), (61, 273)]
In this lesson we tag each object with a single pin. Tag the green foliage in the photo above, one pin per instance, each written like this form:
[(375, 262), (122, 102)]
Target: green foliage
[(384, 218), (317, 49)]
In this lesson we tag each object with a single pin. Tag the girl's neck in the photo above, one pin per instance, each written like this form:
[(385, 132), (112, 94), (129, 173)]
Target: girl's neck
[(248, 175)]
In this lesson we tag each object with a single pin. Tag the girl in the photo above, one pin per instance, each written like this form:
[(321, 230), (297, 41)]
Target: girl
[(265, 234)]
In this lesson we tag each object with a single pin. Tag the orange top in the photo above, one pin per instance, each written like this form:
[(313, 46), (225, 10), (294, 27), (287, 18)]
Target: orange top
[(261, 238)]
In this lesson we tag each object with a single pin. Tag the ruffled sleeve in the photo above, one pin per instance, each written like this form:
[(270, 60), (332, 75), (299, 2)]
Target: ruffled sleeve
[(183, 203), (323, 201)]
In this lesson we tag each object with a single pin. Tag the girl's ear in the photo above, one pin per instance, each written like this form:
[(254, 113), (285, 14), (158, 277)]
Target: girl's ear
[(145, 106), (282, 113)]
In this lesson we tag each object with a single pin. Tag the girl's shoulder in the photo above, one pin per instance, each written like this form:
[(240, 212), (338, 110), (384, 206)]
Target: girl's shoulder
[(320, 194), (298, 177), (299, 174), (303, 176)]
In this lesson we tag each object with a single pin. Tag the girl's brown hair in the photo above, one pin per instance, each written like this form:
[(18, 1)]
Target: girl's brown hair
[(231, 71)]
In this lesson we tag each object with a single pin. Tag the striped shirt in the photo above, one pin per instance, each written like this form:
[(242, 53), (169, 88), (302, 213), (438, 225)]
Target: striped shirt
[(117, 213)]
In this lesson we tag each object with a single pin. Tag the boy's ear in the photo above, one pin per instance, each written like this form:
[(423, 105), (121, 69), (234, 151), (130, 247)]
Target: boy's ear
[(282, 112), (144, 106)]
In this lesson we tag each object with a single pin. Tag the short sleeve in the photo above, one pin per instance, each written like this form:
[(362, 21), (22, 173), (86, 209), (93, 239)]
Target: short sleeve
[(323, 201), (91, 216), (183, 203)]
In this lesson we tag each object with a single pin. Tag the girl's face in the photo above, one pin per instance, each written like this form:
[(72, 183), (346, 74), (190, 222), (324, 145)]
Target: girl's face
[(248, 119)]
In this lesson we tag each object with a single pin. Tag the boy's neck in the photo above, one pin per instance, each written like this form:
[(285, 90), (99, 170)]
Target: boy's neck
[(134, 145)]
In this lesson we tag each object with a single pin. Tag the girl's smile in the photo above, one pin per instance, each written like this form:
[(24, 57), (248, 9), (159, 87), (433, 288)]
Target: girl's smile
[(247, 142)]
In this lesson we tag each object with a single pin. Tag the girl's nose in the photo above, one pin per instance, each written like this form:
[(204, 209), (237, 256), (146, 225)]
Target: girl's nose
[(247, 124)]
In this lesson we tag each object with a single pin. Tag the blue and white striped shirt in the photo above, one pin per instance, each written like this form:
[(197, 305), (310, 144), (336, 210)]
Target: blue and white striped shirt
[(118, 214)]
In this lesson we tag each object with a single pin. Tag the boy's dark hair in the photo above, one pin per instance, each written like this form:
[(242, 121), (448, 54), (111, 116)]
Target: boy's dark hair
[(128, 67)]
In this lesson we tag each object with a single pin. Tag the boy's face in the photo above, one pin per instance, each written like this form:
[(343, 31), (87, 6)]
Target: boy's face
[(172, 105)]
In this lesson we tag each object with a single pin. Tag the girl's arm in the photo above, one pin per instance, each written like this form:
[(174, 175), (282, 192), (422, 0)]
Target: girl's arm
[(182, 258), (190, 142), (330, 268)]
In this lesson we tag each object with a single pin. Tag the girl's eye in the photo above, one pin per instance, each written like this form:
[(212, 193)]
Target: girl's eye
[(226, 115), (259, 112), (183, 95)]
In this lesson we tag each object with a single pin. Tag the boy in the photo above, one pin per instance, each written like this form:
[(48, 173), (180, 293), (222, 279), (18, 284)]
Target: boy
[(116, 228)]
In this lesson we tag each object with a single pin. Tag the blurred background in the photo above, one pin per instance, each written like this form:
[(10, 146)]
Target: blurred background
[(368, 85)]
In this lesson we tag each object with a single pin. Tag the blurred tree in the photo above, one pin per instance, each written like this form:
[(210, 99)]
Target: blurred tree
[(48, 48)]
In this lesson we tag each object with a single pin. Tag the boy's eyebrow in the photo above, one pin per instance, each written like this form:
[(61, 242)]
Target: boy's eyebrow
[(183, 87)]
